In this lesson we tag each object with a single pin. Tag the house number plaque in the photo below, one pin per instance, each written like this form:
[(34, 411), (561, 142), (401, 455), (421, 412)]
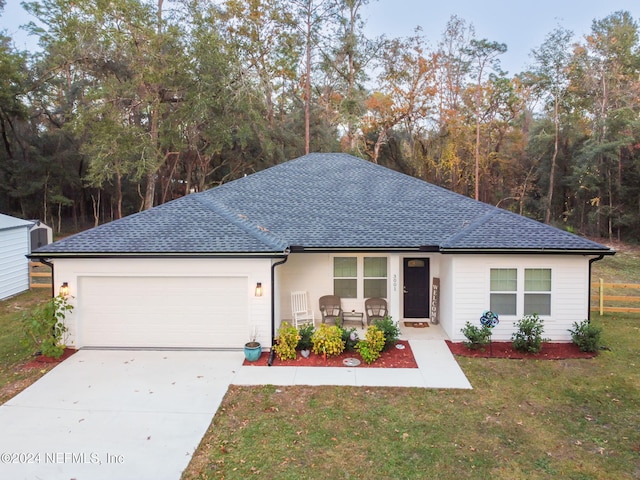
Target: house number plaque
[(435, 301)]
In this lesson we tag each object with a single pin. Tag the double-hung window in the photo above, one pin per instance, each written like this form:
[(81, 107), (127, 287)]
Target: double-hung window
[(360, 277), (516, 291), (345, 277), (375, 277), (537, 291), (504, 291)]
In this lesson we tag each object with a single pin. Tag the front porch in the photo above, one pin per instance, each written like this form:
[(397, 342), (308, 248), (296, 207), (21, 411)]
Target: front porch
[(408, 281), (432, 332)]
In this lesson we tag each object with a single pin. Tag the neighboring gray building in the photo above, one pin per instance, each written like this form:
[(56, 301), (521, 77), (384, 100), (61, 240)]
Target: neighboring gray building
[(14, 248)]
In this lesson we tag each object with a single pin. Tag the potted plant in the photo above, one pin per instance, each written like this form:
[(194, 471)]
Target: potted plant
[(252, 349), (304, 343)]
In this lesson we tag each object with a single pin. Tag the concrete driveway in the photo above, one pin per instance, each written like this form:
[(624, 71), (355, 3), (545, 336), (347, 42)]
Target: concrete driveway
[(114, 415), (140, 415)]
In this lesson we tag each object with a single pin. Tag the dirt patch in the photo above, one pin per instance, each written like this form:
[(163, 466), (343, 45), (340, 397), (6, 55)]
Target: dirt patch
[(550, 351), (399, 356)]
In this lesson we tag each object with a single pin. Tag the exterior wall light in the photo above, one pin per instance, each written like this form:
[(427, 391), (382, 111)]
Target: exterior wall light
[(64, 289), (258, 289)]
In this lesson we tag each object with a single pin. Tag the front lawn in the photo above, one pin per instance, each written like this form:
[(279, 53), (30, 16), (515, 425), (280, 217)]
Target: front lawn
[(13, 354), (524, 419)]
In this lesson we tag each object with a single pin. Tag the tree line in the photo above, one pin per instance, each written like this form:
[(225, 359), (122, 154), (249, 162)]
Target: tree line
[(131, 103)]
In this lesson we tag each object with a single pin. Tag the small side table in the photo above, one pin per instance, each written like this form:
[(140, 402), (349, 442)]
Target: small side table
[(353, 317)]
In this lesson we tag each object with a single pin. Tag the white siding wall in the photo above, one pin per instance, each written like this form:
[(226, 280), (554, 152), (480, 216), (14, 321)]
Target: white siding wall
[(311, 272), (254, 270), (471, 294), (14, 265)]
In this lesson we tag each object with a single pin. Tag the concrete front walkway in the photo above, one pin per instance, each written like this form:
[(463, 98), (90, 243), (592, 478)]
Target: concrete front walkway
[(120, 414), (437, 368)]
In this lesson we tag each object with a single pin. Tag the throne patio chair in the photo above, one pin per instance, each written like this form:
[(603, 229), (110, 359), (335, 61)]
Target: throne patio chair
[(375, 308), (331, 309)]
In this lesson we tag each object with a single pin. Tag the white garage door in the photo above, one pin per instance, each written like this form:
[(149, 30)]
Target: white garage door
[(183, 312)]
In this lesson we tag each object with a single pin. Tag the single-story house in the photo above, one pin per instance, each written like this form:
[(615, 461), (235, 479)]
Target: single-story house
[(207, 269), (14, 248)]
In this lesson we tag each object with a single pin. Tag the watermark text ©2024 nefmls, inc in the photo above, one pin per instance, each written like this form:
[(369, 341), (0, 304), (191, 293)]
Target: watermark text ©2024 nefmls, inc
[(93, 458)]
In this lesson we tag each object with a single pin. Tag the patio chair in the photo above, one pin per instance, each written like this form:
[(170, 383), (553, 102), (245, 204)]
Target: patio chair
[(299, 309), (375, 308), (331, 309)]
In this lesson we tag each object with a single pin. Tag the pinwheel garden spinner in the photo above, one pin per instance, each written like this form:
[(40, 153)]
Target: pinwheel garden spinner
[(489, 319)]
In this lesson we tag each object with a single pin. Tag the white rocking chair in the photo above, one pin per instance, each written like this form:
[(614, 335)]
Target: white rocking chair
[(300, 310)]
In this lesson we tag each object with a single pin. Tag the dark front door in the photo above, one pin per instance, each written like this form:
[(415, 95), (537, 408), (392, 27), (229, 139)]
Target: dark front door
[(416, 287)]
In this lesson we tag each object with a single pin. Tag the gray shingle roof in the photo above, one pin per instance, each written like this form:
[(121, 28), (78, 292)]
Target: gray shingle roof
[(321, 201)]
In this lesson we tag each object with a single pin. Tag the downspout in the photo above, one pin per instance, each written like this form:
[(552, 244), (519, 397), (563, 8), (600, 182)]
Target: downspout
[(50, 265), (273, 308), (591, 262)]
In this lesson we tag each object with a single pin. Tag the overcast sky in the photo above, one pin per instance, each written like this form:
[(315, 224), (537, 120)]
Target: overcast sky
[(522, 25)]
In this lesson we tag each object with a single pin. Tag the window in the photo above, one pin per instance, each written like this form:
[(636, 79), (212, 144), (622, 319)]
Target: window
[(520, 292), (537, 291), (504, 287), (345, 277), (375, 277), (354, 276)]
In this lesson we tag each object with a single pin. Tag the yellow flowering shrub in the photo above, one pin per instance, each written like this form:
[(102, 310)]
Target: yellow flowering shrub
[(327, 340)]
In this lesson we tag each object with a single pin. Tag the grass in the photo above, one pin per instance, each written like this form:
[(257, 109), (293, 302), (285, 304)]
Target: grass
[(623, 267), (13, 354), (533, 419)]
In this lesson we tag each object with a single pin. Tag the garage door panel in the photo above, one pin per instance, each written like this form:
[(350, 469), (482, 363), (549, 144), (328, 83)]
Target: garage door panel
[(200, 312)]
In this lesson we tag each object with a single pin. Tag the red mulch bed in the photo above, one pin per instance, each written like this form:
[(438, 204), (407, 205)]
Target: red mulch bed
[(550, 351), (391, 358), (40, 361)]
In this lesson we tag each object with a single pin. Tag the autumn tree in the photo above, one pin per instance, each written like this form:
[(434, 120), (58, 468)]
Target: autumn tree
[(484, 59), (605, 84), (448, 142), (406, 92), (551, 79)]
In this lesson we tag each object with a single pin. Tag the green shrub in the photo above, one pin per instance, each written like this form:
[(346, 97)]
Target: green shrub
[(586, 336), (477, 337), (372, 345), (44, 328), (305, 332), (390, 329), (350, 338), (286, 341), (327, 340), (528, 338)]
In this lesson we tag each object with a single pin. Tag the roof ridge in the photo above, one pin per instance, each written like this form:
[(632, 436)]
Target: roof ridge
[(242, 221), (471, 226)]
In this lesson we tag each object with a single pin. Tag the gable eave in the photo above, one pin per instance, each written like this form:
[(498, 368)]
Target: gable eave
[(155, 255), (528, 251)]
